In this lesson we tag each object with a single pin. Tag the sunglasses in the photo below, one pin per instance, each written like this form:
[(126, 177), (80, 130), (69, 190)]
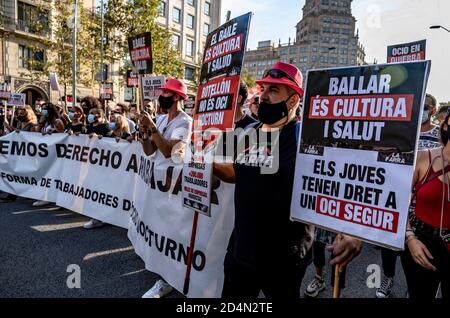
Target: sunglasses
[(275, 73)]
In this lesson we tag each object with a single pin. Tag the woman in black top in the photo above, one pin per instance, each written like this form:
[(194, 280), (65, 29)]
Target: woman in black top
[(77, 120)]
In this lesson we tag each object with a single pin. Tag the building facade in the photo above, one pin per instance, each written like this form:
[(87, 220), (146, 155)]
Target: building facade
[(190, 21), (325, 37), (21, 42)]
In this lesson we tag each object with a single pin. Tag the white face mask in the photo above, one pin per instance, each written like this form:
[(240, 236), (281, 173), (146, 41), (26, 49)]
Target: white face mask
[(425, 116)]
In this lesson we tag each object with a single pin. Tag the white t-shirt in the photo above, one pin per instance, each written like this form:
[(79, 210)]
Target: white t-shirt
[(430, 139), (179, 128), (131, 125)]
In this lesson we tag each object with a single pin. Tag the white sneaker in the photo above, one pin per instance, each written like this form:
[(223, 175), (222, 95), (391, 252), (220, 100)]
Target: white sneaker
[(40, 203), (159, 290), (316, 286), (386, 288), (93, 224)]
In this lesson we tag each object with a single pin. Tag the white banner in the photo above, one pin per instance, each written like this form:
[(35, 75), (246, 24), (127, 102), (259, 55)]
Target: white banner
[(107, 180)]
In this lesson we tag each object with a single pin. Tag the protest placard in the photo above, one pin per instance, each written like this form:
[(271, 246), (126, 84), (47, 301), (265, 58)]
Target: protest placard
[(151, 87), (414, 51), (215, 104), (132, 79), (17, 99), (107, 91), (357, 150), (141, 52)]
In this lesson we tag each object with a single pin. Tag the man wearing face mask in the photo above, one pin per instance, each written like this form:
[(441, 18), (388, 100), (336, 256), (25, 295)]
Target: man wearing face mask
[(429, 133), (169, 131), (173, 129), (267, 252), (96, 125), (38, 106)]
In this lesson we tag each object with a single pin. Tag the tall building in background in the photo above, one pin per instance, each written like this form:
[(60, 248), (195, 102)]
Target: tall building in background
[(190, 21), (325, 37)]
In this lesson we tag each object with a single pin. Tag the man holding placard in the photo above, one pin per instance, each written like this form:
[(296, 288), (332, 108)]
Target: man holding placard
[(169, 131), (268, 252)]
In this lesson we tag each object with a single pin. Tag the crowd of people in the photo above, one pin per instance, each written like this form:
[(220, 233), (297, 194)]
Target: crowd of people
[(255, 261)]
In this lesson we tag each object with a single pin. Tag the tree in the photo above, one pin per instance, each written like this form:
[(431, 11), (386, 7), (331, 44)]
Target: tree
[(248, 79), (125, 19), (61, 44)]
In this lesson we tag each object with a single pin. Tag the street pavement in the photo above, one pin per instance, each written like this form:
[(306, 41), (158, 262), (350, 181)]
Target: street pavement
[(38, 244)]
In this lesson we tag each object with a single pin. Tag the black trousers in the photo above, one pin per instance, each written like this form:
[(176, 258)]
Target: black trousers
[(389, 261), (319, 262), (423, 283), (281, 281)]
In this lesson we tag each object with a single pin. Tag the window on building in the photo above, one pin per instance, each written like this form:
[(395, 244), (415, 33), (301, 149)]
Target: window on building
[(314, 58), (207, 8), (206, 28), (176, 41), (190, 21), (162, 8), (176, 15), (189, 73), (32, 60), (343, 60), (189, 48), (32, 19), (191, 3)]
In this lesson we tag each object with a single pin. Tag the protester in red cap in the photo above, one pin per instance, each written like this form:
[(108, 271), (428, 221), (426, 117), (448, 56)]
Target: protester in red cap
[(169, 135), (173, 129), (267, 252)]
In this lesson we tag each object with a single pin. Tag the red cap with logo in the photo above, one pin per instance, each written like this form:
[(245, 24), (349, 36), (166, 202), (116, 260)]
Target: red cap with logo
[(176, 86), (284, 74)]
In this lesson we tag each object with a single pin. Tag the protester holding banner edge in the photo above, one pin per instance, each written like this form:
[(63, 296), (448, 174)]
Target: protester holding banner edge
[(50, 121), (119, 127), (77, 120), (96, 128)]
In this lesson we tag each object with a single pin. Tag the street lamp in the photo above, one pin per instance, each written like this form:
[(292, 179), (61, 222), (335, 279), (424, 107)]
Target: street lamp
[(439, 27)]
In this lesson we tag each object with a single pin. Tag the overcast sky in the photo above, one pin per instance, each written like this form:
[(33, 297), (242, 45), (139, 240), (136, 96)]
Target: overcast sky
[(380, 22)]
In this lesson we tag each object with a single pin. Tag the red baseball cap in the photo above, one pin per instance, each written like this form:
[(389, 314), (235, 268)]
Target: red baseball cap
[(176, 86), (284, 74)]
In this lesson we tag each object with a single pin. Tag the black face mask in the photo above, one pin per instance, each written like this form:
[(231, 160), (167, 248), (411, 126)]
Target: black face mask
[(22, 118), (165, 102), (269, 114)]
